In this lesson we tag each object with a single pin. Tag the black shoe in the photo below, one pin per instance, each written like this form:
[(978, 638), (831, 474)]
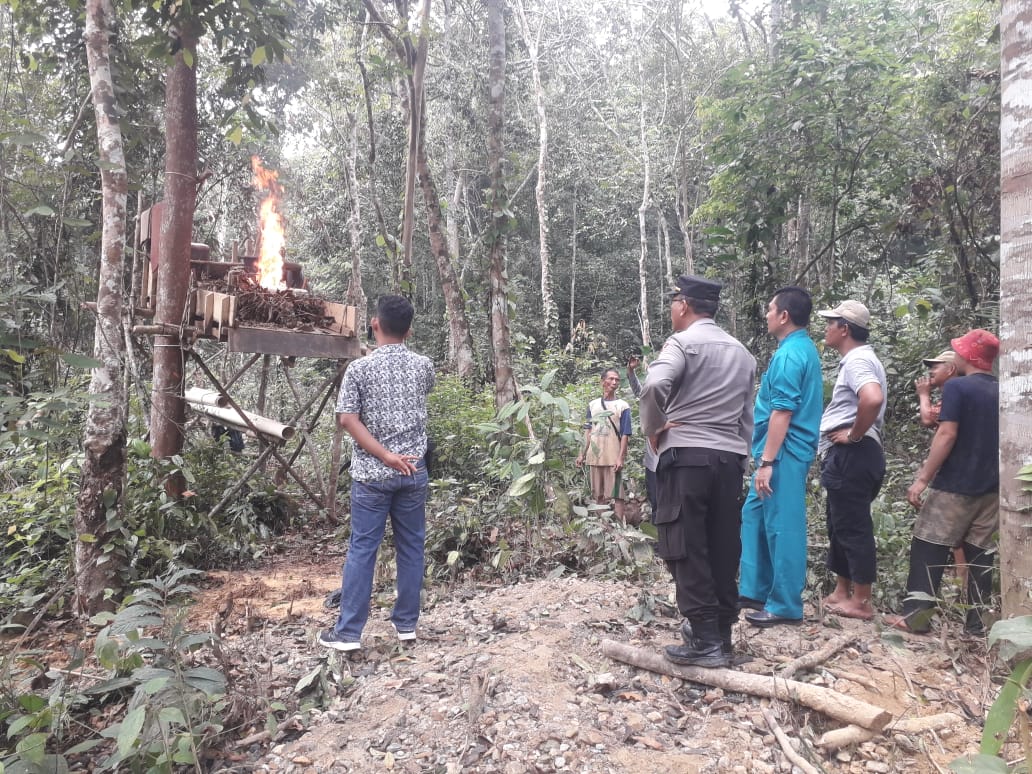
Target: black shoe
[(764, 619), (699, 654), (332, 601), (330, 639), (748, 603), (688, 637)]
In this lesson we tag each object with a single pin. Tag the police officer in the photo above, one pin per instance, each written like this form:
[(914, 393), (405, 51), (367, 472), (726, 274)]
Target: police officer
[(697, 405)]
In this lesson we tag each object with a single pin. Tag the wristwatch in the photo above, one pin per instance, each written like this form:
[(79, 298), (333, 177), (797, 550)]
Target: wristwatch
[(766, 463)]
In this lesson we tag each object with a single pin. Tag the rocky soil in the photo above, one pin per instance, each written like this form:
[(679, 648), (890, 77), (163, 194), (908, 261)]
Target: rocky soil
[(512, 679)]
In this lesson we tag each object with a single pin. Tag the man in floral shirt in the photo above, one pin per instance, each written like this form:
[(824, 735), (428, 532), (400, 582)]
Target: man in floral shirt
[(382, 405)]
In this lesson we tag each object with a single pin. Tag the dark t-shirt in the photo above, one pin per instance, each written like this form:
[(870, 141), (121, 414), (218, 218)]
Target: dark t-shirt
[(973, 467)]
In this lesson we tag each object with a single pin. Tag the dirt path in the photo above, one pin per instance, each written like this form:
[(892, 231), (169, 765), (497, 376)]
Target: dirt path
[(512, 679)]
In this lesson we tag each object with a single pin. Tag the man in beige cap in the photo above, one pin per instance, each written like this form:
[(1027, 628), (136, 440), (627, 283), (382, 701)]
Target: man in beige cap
[(852, 459), (940, 369)]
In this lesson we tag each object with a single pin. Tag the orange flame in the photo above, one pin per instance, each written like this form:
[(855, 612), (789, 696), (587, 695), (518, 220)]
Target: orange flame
[(270, 221)]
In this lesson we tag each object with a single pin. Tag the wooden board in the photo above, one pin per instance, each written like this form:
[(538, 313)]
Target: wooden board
[(344, 317), (269, 341)]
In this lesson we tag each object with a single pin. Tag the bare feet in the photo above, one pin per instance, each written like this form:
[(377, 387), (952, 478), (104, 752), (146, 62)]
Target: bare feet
[(835, 599), (853, 608)]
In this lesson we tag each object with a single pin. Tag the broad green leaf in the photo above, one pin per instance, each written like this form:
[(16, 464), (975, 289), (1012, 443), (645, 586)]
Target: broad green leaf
[(210, 681), (1014, 636), (258, 57), (188, 57), (170, 715), (130, 729), (1001, 715), (979, 764), (41, 209), (33, 748), (236, 135), (151, 687), (308, 680), (521, 485)]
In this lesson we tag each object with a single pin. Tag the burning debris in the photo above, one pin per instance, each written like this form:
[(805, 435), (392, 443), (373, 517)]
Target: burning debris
[(256, 305)]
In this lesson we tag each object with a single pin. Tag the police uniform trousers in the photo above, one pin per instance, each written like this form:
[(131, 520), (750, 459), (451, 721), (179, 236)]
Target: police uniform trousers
[(698, 520)]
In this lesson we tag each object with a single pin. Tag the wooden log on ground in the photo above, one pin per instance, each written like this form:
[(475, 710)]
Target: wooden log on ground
[(838, 738), (818, 656), (831, 703), (264, 425)]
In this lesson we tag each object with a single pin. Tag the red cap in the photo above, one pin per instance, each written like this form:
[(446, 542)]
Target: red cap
[(978, 347)]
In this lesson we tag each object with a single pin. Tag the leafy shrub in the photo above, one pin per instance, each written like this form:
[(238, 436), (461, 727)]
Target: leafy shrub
[(455, 410), (168, 706)]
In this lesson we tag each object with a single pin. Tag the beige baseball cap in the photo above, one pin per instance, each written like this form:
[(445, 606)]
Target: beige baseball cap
[(946, 356), (850, 311)]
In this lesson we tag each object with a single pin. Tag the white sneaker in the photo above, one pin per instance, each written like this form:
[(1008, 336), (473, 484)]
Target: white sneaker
[(405, 636), (329, 638)]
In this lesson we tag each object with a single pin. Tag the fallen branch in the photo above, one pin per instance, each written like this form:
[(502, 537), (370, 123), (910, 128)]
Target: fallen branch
[(853, 734), (824, 700), (290, 724), (795, 758), (815, 657), (840, 674)]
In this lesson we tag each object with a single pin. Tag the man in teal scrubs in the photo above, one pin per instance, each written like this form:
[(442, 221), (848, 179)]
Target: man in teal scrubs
[(784, 443)]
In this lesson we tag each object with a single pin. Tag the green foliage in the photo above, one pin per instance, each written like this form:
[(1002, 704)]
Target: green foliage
[(168, 705), (531, 442), (520, 505), (455, 410), (154, 531), (1014, 637)]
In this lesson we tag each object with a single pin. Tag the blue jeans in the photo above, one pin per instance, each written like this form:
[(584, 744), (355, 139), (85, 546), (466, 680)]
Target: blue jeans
[(403, 498)]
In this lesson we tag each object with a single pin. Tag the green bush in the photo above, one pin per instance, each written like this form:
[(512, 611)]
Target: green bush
[(156, 705)]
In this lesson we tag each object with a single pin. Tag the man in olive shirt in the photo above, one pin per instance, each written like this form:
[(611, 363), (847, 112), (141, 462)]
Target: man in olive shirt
[(697, 405)]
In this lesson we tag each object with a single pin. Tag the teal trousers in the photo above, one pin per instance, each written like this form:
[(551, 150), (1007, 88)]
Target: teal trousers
[(773, 566)]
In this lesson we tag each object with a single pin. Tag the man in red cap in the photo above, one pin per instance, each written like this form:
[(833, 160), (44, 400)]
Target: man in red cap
[(962, 478)]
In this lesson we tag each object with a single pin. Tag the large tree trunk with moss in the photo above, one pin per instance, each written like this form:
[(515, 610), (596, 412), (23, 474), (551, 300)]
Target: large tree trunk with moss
[(103, 469), (1015, 299), (501, 348), (168, 410)]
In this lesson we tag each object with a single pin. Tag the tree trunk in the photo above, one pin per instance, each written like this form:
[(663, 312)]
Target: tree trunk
[(1015, 299), (548, 308), (458, 324), (573, 267), (103, 470), (415, 63), (355, 296), (168, 410), (646, 197), (501, 349)]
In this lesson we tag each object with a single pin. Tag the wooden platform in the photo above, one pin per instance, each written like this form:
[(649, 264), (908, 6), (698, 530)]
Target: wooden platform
[(276, 341), (214, 316)]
